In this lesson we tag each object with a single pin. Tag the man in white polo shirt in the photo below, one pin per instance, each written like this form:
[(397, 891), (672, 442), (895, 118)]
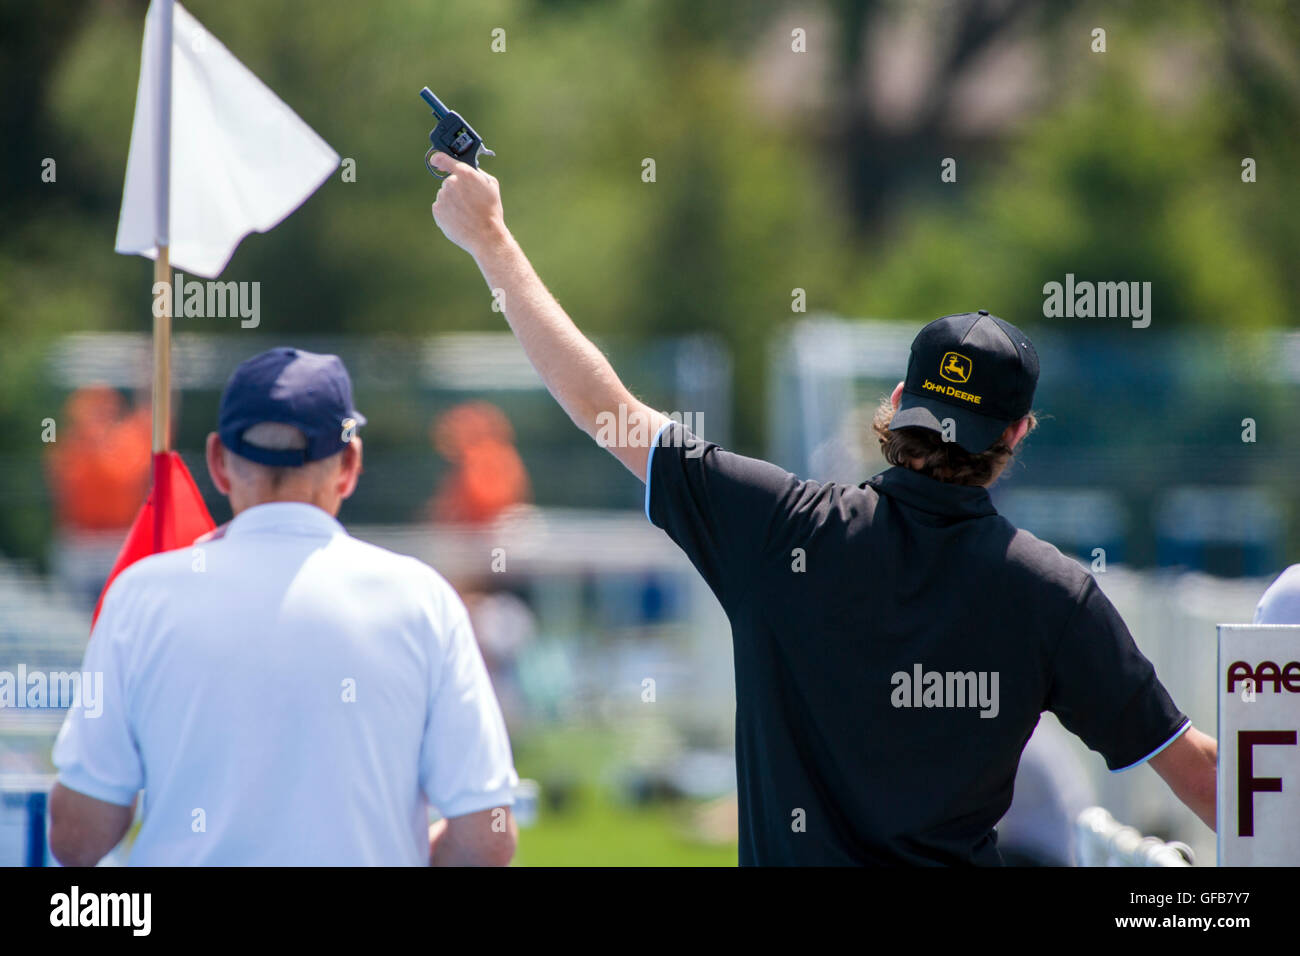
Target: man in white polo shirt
[(286, 694)]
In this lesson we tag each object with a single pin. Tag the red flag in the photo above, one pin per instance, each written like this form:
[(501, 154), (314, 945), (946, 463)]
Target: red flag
[(184, 518)]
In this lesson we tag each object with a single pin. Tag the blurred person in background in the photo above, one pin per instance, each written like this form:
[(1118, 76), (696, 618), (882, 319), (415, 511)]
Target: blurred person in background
[(838, 593), (98, 466), (98, 471), (488, 476), (506, 627), (284, 693)]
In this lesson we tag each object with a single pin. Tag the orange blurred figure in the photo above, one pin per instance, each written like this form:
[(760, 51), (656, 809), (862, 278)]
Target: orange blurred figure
[(488, 475), (98, 466)]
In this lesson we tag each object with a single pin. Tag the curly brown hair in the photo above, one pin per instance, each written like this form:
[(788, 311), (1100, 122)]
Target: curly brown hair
[(926, 451)]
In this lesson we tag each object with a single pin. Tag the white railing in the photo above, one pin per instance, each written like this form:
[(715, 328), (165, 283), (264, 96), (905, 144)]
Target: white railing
[(1104, 841)]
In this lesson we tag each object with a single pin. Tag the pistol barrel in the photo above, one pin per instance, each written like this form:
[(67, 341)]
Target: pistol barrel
[(439, 110)]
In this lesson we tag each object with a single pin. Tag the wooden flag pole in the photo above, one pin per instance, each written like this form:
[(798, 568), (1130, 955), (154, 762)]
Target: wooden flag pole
[(162, 395), (162, 354)]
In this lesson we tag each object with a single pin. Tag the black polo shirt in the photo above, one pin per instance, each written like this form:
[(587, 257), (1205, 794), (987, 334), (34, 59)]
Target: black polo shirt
[(895, 644)]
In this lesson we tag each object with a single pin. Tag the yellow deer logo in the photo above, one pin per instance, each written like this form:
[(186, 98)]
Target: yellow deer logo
[(955, 367)]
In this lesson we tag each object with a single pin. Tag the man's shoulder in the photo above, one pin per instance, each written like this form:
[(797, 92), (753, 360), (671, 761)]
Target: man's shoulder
[(163, 568), (147, 584), (171, 573), (378, 556), (207, 555), (1043, 563), (402, 572)]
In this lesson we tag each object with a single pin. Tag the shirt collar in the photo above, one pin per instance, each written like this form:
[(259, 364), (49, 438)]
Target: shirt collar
[(285, 517), (937, 497)]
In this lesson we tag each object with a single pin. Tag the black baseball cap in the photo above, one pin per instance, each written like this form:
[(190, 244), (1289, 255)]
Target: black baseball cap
[(974, 368), (307, 390)]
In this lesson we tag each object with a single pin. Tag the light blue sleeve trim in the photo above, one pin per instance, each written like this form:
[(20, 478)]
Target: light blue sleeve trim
[(1177, 733), (649, 466)]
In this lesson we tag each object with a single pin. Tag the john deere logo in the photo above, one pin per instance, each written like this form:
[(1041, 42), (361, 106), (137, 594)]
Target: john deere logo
[(955, 368)]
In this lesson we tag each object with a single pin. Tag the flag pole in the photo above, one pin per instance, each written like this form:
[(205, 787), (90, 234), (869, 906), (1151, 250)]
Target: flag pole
[(162, 339), (162, 322)]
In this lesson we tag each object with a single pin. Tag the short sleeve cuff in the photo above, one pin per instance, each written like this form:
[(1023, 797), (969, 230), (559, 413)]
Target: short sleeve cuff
[(75, 778), (650, 466), (1176, 734), (477, 802)]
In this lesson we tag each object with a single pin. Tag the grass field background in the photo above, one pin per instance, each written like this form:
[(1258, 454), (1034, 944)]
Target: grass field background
[(586, 818)]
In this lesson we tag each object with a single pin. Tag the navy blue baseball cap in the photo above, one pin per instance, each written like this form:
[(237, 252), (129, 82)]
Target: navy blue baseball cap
[(307, 390), (975, 369)]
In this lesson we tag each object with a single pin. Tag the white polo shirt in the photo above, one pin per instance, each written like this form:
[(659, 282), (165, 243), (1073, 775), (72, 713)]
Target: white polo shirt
[(287, 694)]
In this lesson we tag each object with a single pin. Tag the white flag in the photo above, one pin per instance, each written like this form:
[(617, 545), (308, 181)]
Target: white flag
[(241, 160)]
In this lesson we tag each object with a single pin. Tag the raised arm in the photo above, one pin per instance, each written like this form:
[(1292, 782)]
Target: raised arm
[(468, 210)]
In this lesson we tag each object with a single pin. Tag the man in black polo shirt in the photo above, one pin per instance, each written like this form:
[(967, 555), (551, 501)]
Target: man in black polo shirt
[(896, 641)]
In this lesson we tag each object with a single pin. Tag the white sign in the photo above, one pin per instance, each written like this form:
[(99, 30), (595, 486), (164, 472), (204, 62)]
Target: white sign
[(1259, 745)]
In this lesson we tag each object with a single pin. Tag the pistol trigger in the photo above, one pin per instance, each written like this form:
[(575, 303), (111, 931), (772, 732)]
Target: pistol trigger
[(438, 174)]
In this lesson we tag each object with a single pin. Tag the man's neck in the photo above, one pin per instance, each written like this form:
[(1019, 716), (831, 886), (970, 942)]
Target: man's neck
[(236, 508), (916, 464)]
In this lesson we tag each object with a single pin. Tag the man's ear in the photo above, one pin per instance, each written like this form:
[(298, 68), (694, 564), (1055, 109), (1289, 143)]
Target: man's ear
[(1016, 431), (897, 397), (216, 455), (350, 471)]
